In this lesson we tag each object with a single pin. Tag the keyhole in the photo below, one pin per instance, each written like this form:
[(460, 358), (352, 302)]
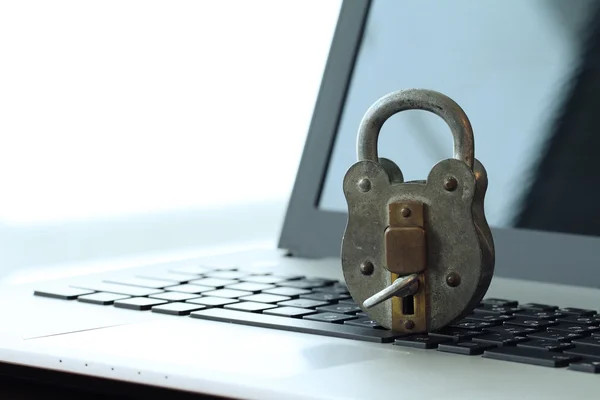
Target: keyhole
[(408, 305)]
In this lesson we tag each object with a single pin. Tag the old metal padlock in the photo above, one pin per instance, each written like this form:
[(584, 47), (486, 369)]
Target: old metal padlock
[(418, 255)]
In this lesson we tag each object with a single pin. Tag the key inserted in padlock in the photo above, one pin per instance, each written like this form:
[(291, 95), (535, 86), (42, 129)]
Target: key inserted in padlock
[(416, 255)]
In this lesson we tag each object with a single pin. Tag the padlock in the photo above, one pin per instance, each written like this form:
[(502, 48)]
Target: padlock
[(419, 255)]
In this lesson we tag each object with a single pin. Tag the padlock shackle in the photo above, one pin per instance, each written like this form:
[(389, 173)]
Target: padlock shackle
[(416, 99)]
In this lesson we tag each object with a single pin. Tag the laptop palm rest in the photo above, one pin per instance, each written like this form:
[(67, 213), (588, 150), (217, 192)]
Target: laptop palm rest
[(216, 347)]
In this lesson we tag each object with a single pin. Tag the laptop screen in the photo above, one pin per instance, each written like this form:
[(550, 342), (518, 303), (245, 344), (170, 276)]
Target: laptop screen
[(523, 71)]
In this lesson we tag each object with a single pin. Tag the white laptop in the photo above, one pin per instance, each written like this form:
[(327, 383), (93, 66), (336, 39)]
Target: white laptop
[(278, 323)]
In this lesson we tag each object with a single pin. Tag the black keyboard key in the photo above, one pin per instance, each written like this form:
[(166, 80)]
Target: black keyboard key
[(500, 303), (547, 345), (596, 319), (190, 289), (67, 293), (529, 322), (214, 283), (177, 308), (559, 336), (303, 284), (514, 330), (304, 303), (250, 287), (138, 303), (175, 296), (465, 348), (227, 274), (548, 315), (296, 325), (584, 351), (456, 334), (592, 341), (340, 309), (287, 291), (102, 299), (497, 310), (289, 312), (421, 341), (577, 311), (117, 289), (574, 328), (325, 296), (268, 279), (324, 281), (538, 307), (250, 306), (579, 319), (529, 356), (361, 314), (329, 317), (265, 298), (332, 289), (364, 322), (499, 338), (348, 301), (586, 365), (288, 276), (141, 282), (474, 325), (212, 301), (227, 293), (494, 318)]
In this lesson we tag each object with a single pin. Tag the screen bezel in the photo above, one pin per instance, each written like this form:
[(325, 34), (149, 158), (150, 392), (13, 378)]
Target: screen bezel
[(312, 232)]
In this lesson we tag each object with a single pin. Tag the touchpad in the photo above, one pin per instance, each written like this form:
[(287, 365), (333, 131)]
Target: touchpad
[(213, 347)]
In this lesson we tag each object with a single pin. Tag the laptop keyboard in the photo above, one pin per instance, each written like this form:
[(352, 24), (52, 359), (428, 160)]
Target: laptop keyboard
[(538, 334)]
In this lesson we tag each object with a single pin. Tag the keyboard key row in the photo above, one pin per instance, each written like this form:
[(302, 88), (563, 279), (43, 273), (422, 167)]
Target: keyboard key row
[(531, 333), (465, 348), (118, 289), (68, 293), (295, 325), (531, 356), (222, 279), (175, 296), (143, 282), (138, 303), (250, 287), (189, 288), (287, 291), (103, 299), (172, 303)]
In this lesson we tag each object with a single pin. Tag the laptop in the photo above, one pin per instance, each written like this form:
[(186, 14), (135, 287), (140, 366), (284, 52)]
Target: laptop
[(261, 322)]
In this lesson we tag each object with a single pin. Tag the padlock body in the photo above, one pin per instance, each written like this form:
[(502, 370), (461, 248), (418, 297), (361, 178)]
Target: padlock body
[(447, 243)]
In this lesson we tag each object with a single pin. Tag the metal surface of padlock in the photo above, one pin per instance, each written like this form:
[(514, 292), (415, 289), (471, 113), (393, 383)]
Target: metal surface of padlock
[(416, 256)]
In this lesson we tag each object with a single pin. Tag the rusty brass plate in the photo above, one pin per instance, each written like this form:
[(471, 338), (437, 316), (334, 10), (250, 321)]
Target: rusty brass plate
[(405, 250)]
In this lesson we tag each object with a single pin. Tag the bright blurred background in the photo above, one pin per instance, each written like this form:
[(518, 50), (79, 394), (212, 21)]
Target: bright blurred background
[(145, 126)]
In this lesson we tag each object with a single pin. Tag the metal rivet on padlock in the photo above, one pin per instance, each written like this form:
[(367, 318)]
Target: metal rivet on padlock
[(417, 255)]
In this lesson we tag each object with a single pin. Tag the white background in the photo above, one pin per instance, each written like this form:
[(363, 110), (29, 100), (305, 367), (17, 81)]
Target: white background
[(129, 125)]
